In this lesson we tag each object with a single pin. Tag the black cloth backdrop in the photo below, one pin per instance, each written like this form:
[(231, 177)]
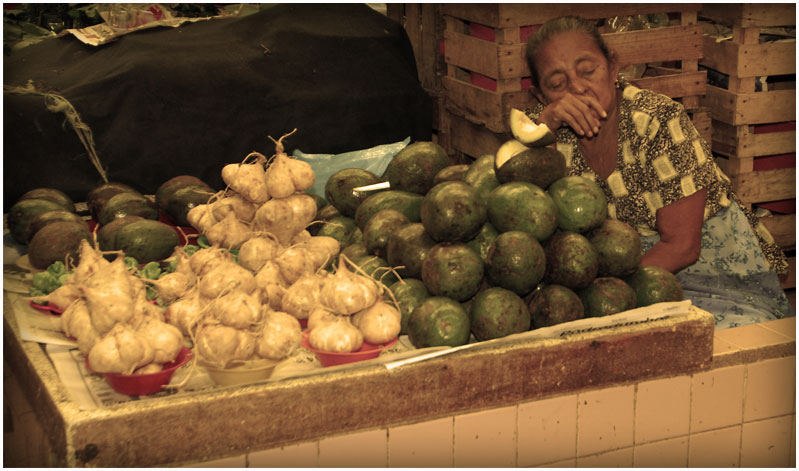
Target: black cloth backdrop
[(188, 100)]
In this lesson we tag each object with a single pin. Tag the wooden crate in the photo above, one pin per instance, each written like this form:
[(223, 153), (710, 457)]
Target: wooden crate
[(425, 29), (487, 77), (743, 58), (754, 132)]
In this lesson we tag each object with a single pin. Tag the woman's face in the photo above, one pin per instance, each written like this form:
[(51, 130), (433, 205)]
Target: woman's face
[(571, 62)]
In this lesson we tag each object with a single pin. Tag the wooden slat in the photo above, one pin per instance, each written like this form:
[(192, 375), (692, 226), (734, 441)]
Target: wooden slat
[(479, 105), (765, 185), (632, 47), (503, 15), (782, 227), (732, 167), (677, 85), (749, 60), (750, 14), (750, 108), (432, 62), (702, 122), (473, 54), (472, 139), (738, 141), (656, 44)]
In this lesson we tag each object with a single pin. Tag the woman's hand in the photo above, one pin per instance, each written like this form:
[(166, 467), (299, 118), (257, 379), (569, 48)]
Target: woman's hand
[(582, 113)]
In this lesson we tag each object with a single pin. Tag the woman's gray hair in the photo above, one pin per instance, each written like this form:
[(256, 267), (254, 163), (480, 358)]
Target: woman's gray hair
[(562, 24)]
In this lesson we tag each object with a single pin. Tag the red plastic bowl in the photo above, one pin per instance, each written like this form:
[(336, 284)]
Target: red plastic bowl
[(366, 352), (48, 307), (141, 385)]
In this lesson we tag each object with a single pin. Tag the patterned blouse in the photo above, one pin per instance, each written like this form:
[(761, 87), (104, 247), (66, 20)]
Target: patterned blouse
[(661, 158)]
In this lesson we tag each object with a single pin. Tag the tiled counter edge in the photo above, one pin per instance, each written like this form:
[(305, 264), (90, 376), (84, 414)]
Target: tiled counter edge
[(229, 422)]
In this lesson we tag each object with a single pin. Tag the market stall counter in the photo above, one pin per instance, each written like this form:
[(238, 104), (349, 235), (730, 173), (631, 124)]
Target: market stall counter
[(197, 420)]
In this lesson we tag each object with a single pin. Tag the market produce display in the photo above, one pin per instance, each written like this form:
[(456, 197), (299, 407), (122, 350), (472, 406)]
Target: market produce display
[(107, 312), (510, 229), (450, 254)]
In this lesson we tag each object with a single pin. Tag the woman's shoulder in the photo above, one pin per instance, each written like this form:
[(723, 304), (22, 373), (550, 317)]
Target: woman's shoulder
[(649, 101)]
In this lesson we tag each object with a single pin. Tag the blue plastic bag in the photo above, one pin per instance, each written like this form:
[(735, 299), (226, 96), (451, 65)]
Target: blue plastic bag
[(375, 160)]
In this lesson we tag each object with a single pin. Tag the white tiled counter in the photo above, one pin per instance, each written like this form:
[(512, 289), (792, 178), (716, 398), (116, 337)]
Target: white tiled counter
[(678, 394), (740, 413)]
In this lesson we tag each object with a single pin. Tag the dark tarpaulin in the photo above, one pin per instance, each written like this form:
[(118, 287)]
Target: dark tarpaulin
[(188, 100)]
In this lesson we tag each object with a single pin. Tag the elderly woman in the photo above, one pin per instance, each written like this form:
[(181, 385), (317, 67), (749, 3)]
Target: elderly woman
[(658, 175)]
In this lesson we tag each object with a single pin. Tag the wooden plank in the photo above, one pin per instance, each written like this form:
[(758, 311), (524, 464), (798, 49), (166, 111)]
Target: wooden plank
[(732, 166), (750, 108), (432, 61), (782, 227), (632, 47), (479, 105), (414, 33), (701, 120), (657, 44), (769, 144), (503, 15), (738, 141), (474, 54), (472, 139), (749, 60), (765, 185), (676, 85), (749, 14)]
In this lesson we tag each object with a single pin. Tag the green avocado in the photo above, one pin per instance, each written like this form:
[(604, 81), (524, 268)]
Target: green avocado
[(147, 240)]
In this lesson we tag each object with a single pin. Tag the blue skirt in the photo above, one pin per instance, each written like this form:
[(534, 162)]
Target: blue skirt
[(732, 279)]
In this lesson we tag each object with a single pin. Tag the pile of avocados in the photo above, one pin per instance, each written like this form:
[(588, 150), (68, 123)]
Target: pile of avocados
[(502, 245), (475, 250), (118, 218)]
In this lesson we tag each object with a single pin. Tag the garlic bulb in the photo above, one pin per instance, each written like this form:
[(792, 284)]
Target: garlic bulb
[(122, 350), (166, 340), (248, 180), (236, 309), (224, 277), (279, 337), (301, 297), (109, 296), (319, 315), (220, 345), (346, 292), (379, 323), (77, 323), (336, 336), (256, 251)]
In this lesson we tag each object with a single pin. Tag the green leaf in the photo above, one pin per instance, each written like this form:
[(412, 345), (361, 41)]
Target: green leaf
[(57, 268), (45, 282), (151, 271)]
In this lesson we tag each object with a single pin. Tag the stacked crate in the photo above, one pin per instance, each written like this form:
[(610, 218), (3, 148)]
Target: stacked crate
[(754, 132), (487, 73), (425, 28)]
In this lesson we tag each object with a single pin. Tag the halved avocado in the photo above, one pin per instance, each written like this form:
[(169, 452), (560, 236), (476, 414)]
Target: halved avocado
[(526, 131), (507, 150)]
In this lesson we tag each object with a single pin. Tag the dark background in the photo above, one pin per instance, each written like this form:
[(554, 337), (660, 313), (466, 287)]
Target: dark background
[(186, 101)]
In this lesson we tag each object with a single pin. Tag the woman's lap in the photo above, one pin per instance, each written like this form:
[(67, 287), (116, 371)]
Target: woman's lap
[(732, 280)]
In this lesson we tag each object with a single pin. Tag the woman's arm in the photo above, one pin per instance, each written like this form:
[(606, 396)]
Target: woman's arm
[(680, 227)]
